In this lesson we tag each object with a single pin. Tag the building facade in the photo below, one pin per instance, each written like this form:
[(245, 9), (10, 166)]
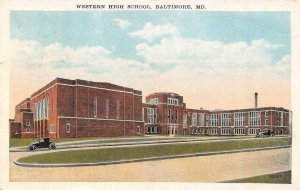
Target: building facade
[(163, 113), (78, 108), (166, 114)]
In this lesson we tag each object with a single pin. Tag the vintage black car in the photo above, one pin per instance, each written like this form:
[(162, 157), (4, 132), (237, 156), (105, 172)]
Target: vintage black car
[(263, 134), (42, 143)]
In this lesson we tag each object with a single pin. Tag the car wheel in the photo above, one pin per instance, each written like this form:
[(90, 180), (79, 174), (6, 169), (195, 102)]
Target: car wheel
[(32, 148), (52, 146)]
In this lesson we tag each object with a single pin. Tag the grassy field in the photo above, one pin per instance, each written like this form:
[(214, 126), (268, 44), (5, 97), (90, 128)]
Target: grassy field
[(281, 177), (122, 153)]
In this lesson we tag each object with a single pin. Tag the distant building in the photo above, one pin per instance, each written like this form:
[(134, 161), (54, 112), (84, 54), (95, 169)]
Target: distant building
[(166, 114), (78, 108)]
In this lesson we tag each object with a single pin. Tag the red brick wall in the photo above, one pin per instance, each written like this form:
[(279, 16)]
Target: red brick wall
[(14, 129), (27, 117), (65, 101)]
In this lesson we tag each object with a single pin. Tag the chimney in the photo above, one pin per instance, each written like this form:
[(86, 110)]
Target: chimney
[(255, 98)]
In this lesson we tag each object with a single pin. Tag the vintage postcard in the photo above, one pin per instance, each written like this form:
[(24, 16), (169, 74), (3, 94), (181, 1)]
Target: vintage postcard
[(150, 94)]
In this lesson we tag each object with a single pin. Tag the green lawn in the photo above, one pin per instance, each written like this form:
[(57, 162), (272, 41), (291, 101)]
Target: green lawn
[(121, 153), (281, 177), (135, 140)]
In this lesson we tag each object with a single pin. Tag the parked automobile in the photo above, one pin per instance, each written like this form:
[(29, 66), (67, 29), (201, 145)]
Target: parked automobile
[(42, 143), (263, 134)]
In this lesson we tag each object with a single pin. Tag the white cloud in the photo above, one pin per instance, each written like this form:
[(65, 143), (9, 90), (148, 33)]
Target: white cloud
[(150, 31), (208, 54), (122, 23), (206, 71), (209, 74)]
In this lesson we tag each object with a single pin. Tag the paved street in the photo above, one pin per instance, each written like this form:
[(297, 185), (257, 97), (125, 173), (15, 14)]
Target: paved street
[(198, 169)]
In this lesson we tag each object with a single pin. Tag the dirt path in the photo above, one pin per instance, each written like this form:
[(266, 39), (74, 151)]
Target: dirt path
[(198, 169)]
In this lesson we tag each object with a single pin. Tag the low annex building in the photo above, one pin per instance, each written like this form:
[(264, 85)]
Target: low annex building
[(166, 114), (77, 108)]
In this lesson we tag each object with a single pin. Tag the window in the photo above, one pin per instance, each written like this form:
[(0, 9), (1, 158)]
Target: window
[(201, 120), (266, 113), (106, 108), (39, 110), (42, 108), (155, 129), (47, 107), (27, 130), (118, 109), (27, 123), (194, 119), (44, 111), (254, 131), (254, 118), (184, 120), (35, 111), (68, 128), (266, 122), (239, 131), (95, 107), (239, 119), (225, 131), (207, 119), (52, 128), (214, 120), (225, 119), (212, 131), (138, 129), (281, 118), (172, 116), (153, 101), (150, 115), (172, 101)]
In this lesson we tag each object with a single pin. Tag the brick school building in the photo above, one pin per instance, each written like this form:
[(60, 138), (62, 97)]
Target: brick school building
[(78, 108)]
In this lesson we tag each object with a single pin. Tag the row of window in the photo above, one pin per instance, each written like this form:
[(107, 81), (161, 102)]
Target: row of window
[(227, 131), (239, 119), (41, 109), (173, 101)]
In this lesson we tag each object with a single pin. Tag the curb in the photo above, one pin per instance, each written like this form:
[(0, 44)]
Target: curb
[(147, 159), (168, 141)]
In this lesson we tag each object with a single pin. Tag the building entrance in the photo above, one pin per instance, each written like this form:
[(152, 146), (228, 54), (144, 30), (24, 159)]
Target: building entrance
[(172, 130)]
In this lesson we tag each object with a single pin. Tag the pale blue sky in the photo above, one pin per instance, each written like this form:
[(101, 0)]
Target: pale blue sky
[(76, 29), (214, 59)]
